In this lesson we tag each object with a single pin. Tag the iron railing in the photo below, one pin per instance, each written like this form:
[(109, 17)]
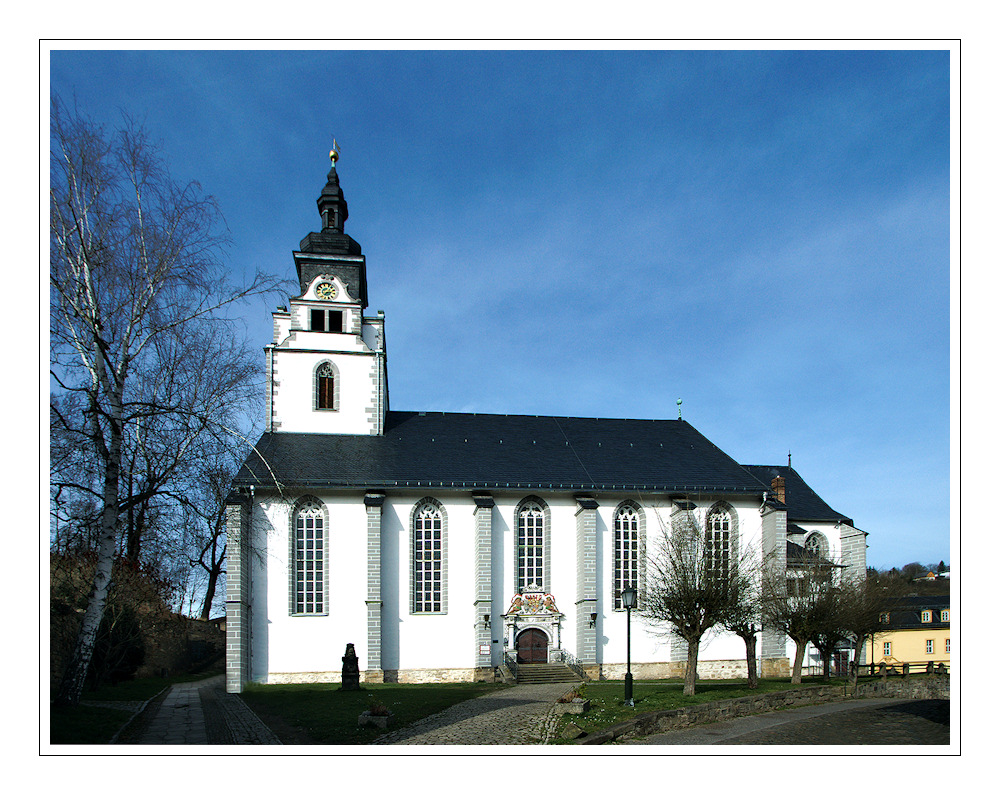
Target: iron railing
[(510, 663), (563, 656)]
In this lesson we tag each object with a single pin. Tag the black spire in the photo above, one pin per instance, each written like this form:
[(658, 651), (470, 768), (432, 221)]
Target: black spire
[(332, 204), (331, 250)]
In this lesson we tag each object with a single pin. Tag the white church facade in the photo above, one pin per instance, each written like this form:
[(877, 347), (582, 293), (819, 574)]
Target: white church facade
[(453, 546)]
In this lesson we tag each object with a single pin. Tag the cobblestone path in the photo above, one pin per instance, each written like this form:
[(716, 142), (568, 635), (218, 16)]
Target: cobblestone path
[(519, 715)]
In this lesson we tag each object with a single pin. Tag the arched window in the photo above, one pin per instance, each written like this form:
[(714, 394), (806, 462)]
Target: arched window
[(628, 550), (327, 387), (429, 548), (532, 540), (308, 558), (816, 545), (720, 540)]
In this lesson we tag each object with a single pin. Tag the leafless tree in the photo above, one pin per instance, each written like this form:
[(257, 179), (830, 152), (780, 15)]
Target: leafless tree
[(693, 585), (745, 615), (865, 600), (797, 602), (141, 351)]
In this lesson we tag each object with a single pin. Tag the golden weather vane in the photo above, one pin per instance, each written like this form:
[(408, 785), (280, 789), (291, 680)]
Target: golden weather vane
[(334, 153)]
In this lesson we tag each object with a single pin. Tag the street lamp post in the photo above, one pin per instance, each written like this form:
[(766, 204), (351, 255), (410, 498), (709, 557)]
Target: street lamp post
[(628, 602)]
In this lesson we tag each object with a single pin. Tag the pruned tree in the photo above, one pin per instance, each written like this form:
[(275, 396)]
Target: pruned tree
[(797, 602), (694, 582), (746, 612), (146, 364), (830, 629)]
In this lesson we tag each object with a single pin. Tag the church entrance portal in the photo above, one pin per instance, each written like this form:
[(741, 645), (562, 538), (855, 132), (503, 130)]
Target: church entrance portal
[(532, 647)]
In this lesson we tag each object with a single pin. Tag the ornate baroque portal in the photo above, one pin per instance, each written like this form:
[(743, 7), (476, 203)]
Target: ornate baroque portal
[(533, 609)]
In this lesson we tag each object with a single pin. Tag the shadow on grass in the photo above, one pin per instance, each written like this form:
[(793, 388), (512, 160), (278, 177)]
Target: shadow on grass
[(324, 714)]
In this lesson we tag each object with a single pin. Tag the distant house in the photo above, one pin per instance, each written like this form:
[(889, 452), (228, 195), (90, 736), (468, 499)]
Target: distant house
[(917, 630)]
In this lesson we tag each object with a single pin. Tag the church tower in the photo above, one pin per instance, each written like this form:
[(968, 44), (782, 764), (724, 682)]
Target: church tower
[(326, 367)]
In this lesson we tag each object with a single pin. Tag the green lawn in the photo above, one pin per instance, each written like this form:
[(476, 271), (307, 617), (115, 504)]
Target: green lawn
[(323, 714)]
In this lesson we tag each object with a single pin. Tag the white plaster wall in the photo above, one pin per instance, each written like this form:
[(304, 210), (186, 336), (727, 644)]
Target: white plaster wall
[(293, 392), (283, 643), (428, 640), (649, 640), (295, 644)]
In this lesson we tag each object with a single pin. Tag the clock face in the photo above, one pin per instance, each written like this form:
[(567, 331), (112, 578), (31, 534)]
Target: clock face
[(326, 291)]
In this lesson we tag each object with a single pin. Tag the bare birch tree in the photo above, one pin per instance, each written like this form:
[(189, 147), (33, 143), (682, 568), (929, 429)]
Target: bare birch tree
[(139, 344)]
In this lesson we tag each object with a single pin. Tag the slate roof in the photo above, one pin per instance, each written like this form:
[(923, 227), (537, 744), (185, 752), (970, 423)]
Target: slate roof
[(494, 451), (906, 614), (803, 504)]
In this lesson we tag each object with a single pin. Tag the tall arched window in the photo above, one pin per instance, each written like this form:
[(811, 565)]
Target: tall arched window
[(628, 550), (531, 545), (327, 388), (429, 548), (308, 554), (719, 540)]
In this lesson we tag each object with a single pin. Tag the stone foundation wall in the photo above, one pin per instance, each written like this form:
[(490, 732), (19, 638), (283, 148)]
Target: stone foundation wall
[(775, 668), (413, 676), (707, 669)]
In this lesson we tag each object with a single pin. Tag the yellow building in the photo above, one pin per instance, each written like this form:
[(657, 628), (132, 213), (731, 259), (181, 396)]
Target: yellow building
[(917, 631)]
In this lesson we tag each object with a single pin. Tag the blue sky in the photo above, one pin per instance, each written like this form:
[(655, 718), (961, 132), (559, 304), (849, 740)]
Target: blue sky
[(764, 235)]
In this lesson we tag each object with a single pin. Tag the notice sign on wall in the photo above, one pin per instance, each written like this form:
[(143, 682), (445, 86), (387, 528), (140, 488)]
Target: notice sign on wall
[(484, 648)]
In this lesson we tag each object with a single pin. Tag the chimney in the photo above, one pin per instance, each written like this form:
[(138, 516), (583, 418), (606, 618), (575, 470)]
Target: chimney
[(778, 487)]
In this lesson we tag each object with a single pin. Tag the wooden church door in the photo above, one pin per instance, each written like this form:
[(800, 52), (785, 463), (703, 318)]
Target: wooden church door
[(532, 647)]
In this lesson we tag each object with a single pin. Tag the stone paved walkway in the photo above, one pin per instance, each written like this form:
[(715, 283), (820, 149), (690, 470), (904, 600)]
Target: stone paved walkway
[(198, 713), (520, 715)]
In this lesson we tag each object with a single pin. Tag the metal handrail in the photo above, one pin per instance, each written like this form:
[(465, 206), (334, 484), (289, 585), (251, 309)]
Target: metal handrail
[(571, 661), (510, 663)]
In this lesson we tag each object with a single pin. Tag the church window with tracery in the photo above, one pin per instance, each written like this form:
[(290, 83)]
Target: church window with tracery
[(428, 558), (718, 542), (627, 551), (531, 546), (309, 559)]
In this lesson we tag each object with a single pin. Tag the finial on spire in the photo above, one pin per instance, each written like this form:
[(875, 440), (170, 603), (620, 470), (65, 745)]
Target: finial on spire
[(679, 401), (789, 458), (334, 154)]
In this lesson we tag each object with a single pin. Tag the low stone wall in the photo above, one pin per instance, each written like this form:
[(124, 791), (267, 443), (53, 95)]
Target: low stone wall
[(933, 686), (667, 720)]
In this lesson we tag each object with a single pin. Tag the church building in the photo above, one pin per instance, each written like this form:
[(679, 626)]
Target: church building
[(461, 547)]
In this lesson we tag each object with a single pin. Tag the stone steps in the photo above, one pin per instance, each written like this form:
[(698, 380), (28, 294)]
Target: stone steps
[(545, 673)]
